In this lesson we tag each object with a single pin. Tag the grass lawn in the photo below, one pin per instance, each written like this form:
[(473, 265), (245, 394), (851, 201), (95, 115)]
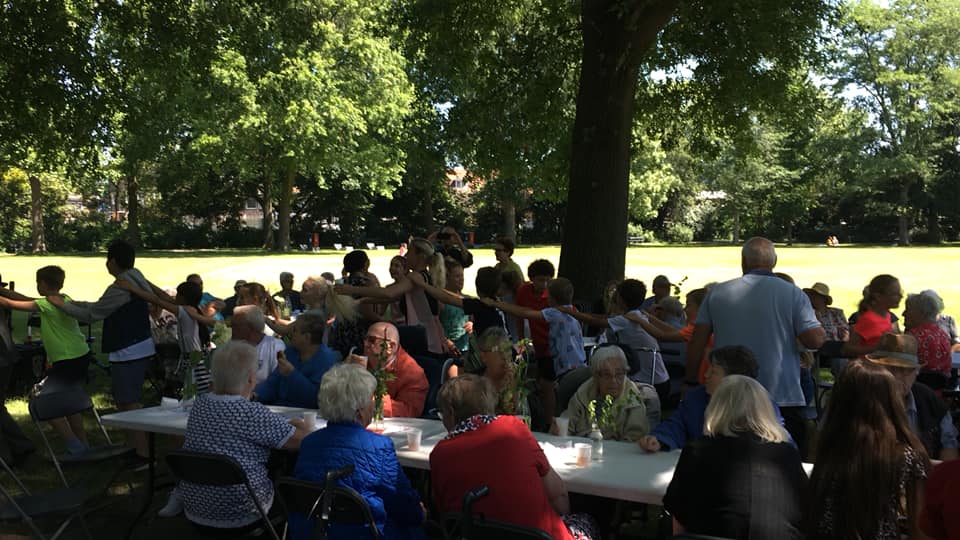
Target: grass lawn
[(845, 269)]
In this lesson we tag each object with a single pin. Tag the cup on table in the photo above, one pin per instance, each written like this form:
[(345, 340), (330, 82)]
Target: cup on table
[(310, 419), (584, 451), (413, 439), (563, 424)]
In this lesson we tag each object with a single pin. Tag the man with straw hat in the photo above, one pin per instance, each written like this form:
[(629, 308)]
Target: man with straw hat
[(928, 415)]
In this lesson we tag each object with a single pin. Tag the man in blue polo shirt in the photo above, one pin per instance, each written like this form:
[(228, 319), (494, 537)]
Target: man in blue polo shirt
[(767, 315)]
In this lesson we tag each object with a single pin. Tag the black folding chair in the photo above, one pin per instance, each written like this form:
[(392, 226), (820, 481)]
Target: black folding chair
[(215, 470), (65, 402), (69, 502), (478, 527), (327, 503)]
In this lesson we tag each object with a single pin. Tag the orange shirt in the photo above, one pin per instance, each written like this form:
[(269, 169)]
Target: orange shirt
[(407, 392), (687, 333)]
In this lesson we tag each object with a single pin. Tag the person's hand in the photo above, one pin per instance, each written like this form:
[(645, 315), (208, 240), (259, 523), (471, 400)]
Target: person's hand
[(649, 443), (357, 359), (566, 309), (56, 300), (554, 429), (468, 327), (284, 365), (451, 348)]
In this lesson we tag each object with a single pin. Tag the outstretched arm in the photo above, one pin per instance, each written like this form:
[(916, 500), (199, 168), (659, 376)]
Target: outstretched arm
[(391, 292), (199, 317), (513, 309), (589, 319), (148, 296), (13, 295), (19, 305), (655, 327), (441, 295)]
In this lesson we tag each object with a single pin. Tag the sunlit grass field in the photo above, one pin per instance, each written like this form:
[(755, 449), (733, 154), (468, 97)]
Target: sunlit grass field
[(845, 269)]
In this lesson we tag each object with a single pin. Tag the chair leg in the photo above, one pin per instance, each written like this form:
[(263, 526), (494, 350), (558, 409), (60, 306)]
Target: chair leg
[(53, 456), (103, 430)]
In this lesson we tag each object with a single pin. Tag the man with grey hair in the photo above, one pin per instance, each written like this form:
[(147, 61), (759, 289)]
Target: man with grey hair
[(768, 316), (247, 325)]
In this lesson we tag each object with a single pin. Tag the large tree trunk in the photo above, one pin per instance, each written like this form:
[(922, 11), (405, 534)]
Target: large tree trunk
[(286, 198), (934, 232), (509, 208), (615, 36), (37, 238), (267, 205), (903, 223), (426, 214), (133, 211), (736, 227)]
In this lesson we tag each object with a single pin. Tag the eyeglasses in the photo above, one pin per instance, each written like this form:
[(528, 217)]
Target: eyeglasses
[(618, 375)]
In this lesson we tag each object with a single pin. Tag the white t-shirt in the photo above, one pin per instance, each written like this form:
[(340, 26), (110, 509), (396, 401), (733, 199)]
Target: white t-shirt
[(267, 351)]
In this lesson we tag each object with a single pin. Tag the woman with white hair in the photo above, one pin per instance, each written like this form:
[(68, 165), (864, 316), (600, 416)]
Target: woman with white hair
[(346, 402), (944, 321), (933, 344), (616, 400), (226, 422), (743, 479)]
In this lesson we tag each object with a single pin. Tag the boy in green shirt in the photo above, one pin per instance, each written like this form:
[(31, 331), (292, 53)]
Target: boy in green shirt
[(67, 352)]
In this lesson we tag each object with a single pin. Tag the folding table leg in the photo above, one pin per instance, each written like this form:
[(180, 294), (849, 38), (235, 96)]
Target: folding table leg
[(151, 473)]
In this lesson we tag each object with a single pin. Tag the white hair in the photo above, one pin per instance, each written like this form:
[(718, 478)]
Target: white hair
[(231, 367), (252, 316), (925, 305), (936, 298), (610, 354), (742, 405), (344, 390), (758, 252)]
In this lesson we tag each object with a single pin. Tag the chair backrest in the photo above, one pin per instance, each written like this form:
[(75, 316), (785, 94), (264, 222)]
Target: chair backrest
[(433, 370), (327, 502), (413, 339), (479, 527), (215, 470), (569, 384)]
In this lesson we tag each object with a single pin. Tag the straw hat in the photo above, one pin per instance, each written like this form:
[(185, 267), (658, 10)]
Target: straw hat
[(822, 290), (897, 350)]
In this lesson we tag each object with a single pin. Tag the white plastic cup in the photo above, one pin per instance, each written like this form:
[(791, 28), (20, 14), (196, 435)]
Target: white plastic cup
[(584, 451), (413, 440), (563, 424), (310, 420)]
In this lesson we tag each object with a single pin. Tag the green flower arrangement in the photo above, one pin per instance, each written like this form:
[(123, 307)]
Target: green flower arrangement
[(513, 397), (383, 377)]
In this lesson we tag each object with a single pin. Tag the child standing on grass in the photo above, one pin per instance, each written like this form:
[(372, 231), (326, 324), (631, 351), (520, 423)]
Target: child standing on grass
[(67, 352), (565, 339)]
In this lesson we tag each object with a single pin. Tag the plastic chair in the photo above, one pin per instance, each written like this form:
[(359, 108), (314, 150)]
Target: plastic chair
[(476, 528), (44, 407), (568, 385), (68, 501), (433, 370), (327, 503), (215, 470)]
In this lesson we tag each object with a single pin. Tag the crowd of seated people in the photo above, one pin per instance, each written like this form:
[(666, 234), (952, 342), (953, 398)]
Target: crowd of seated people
[(739, 427)]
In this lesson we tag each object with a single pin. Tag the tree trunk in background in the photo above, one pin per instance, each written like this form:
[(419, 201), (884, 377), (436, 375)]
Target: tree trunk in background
[(903, 224), (286, 198), (615, 37), (933, 225), (736, 228), (267, 205), (426, 219), (37, 238), (133, 211), (510, 219)]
